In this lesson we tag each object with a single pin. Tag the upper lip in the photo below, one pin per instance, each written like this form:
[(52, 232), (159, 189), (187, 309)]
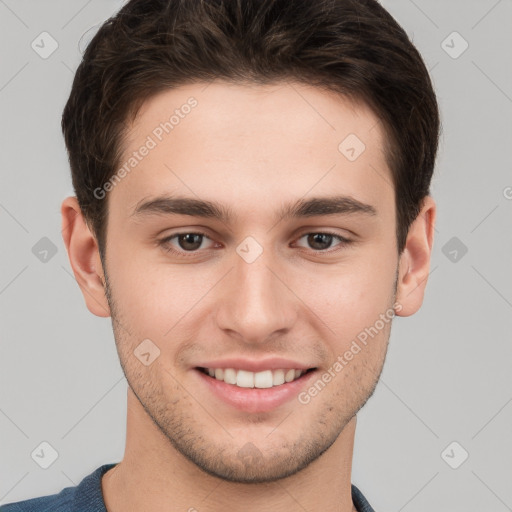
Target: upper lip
[(252, 365)]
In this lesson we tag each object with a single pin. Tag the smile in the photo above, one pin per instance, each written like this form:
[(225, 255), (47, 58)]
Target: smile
[(254, 385)]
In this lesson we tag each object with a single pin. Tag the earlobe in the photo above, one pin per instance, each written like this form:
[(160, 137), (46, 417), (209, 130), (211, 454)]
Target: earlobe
[(414, 265), (84, 257)]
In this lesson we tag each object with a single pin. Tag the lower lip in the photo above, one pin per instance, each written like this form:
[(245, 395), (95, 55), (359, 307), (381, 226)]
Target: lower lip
[(255, 399)]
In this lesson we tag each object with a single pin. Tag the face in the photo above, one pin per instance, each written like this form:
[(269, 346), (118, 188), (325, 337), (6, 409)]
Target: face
[(298, 273)]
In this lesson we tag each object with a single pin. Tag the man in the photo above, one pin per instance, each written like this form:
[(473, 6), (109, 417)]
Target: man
[(252, 210)]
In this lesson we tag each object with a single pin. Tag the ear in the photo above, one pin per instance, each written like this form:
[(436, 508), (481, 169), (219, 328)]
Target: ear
[(84, 257), (414, 264)]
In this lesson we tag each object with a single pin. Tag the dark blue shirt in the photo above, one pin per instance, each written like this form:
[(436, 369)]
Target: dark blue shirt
[(87, 497)]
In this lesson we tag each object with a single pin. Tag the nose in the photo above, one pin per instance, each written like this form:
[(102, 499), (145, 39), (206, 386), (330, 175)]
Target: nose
[(256, 303)]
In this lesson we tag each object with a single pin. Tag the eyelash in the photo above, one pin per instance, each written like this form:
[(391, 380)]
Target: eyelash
[(165, 242)]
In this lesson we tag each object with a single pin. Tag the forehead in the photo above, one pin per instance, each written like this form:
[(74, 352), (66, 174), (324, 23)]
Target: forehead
[(252, 145)]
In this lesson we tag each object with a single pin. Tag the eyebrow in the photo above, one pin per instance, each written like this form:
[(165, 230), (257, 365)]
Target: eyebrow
[(316, 206)]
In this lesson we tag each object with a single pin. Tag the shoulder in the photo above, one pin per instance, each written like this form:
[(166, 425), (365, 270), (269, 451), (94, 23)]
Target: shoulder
[(85, 497), (60, 502)]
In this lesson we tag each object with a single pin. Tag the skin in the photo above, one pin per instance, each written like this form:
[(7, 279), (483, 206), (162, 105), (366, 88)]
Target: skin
[(252, 148)]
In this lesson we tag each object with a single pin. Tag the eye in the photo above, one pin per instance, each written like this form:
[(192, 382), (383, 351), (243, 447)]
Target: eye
[(185, 242), (323, 240), (192, 242)]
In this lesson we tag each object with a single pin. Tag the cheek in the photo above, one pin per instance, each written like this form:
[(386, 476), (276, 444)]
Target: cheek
[(349, 299), (153, 292)]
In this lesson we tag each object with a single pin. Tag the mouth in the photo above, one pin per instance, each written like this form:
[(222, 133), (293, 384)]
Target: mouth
[(261, 391), (261, 380)]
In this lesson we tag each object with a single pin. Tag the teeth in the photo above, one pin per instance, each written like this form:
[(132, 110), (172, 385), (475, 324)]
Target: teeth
[(289, 376), (278, 377), (245, 379), (263, 379), (230, 376)]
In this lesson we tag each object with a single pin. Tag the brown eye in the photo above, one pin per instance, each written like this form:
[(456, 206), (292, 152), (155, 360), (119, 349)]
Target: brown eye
[(322, 241), (190, 241), (182, 243)]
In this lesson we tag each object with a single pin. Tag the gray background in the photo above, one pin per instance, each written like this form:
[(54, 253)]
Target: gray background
[(448, 372)]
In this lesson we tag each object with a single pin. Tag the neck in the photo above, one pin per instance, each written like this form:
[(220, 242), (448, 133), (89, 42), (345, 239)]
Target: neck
[(154, 476)]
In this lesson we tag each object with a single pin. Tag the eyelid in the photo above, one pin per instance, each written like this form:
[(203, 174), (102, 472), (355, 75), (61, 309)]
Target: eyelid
[(326, 231)]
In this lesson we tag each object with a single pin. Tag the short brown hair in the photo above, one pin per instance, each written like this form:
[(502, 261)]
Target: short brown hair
[(352, 47)]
